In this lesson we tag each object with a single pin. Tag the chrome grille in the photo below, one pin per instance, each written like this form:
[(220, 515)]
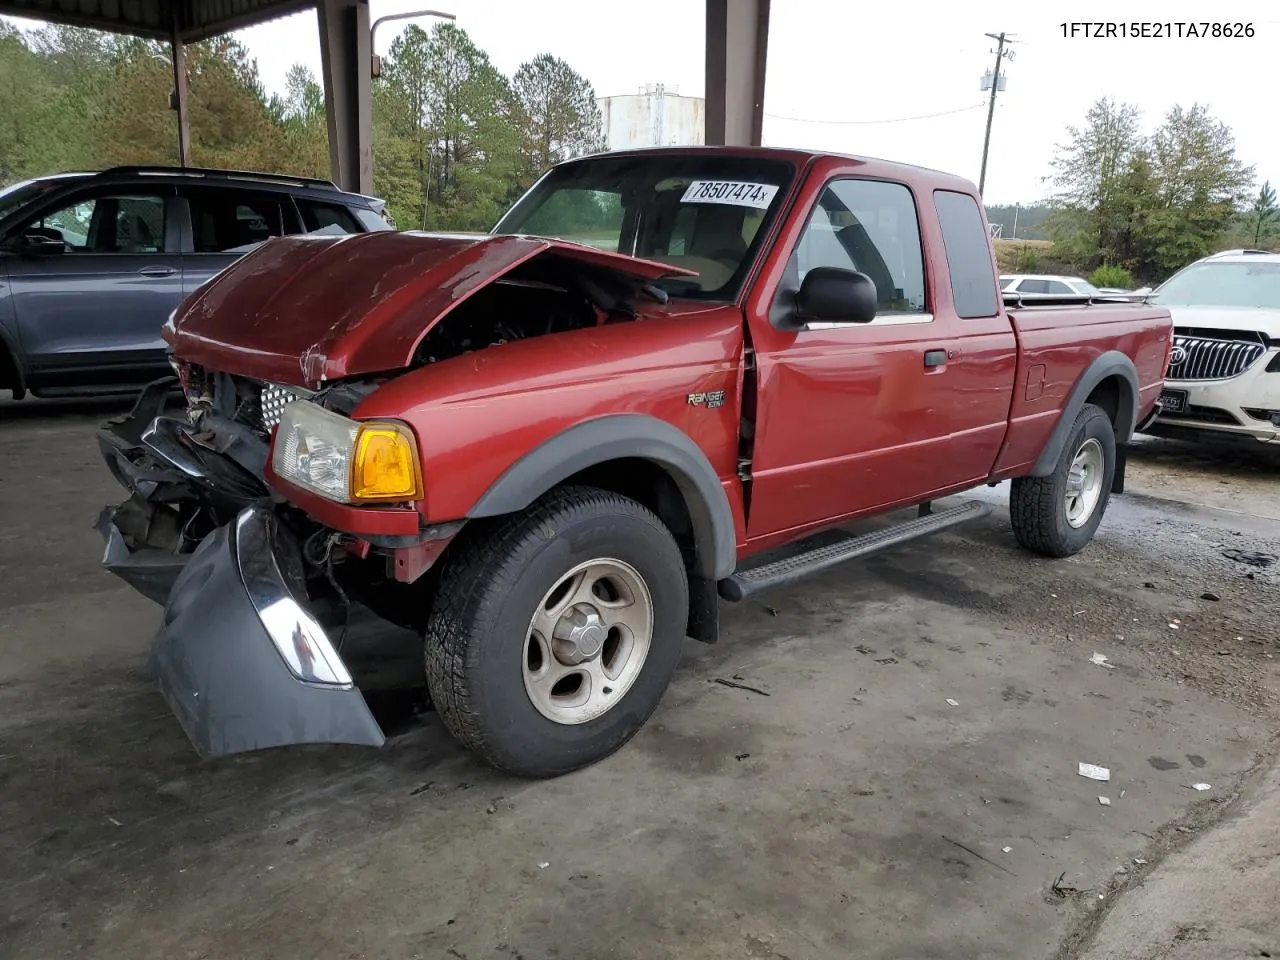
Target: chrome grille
[(1202, 358), (273, 400)]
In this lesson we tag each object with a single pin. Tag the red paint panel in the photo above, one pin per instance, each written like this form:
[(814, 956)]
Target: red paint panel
[(361, 521), (849, 419), (475, 415), (1065, 340)]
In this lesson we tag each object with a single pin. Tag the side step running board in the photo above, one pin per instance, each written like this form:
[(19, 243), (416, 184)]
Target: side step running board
[(781, 573)]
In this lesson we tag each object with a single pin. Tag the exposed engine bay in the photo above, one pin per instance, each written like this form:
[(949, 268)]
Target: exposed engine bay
[(504, 311), (546, 295)]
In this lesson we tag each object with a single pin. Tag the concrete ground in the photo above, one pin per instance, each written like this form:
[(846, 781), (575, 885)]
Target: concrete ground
[(904, 784)]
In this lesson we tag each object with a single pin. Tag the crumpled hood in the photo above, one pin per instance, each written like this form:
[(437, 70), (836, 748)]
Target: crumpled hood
[(1264, 320), (304, 309)]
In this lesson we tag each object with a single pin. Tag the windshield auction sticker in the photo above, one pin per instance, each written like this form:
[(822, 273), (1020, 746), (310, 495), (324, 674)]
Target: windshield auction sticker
[(734, 192)]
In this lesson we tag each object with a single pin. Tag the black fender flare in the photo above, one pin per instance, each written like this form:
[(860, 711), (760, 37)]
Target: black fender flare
[(1113, 363), (618, 437)]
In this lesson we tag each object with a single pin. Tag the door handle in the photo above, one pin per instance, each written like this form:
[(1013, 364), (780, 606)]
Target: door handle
[(935, 358), (158, 271)]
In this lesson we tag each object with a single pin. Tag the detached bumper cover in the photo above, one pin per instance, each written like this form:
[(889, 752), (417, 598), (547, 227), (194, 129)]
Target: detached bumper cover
[(240, 659), (178, 491), (151, 571)]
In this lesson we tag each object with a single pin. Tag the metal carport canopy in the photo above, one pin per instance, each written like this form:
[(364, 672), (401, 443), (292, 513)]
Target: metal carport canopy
[(736, 45)]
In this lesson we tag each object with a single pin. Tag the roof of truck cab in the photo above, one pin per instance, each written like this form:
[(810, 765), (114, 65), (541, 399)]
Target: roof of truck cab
[(874, 166)]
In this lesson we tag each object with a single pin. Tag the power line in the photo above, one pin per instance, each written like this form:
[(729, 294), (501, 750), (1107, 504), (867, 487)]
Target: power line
[(923, 116)]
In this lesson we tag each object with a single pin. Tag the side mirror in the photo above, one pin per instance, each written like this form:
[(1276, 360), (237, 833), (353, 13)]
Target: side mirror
[(833, 295), (39, 245)]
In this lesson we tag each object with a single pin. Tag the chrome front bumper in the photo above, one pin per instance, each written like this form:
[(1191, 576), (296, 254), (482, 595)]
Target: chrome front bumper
[(241, 660)]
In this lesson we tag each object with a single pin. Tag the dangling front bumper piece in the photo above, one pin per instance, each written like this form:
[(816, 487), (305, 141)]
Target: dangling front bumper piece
[(240, 658)]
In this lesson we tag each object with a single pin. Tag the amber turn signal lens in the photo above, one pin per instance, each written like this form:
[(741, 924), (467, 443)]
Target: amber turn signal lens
[(386, 464)]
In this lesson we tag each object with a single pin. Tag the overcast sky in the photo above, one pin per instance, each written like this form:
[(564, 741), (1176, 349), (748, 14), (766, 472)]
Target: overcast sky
[(838, 71)]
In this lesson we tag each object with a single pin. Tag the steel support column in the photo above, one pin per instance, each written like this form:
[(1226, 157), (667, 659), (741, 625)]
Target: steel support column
[(178, 58), (346, 63), (737, 44)]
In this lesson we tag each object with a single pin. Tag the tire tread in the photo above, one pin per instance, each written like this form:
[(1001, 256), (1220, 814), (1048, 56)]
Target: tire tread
[(1035, 502)]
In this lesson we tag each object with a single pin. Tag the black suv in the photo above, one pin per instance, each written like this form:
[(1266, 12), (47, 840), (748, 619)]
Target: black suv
[(91, 264)]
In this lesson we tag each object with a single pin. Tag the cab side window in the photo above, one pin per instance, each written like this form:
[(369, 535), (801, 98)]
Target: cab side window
[(869, 226)]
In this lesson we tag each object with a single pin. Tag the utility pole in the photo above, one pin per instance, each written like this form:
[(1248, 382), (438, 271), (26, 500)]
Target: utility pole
[(1001, 39), (179, 100)]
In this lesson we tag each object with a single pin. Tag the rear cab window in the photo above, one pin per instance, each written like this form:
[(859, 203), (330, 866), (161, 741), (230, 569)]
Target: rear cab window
[(968, 250)]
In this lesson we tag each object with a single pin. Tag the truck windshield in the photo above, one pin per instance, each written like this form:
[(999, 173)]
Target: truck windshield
[(1227, 284), (699, 212)]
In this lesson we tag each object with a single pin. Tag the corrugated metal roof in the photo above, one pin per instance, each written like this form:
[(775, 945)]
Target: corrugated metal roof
[(193, 19)]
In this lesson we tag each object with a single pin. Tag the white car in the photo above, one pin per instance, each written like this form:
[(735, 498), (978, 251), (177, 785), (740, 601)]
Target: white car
[(1224, 375), (1038, 284)]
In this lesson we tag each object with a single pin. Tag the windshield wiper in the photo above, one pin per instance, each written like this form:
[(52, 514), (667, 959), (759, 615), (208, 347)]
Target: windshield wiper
[(606, 301), (656, 292)]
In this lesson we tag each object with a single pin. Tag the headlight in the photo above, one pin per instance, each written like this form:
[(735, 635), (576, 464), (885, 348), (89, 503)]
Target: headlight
[(351, 461)]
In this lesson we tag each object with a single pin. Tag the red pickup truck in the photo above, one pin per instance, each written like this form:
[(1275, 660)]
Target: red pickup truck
[(553, 449)]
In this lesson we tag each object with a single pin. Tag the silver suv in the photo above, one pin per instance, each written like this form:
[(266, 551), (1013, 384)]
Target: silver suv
[(91, 264)]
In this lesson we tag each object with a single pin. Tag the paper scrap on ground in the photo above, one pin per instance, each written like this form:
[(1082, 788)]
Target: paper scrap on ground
[(1105, 801), (1102, 660), (1094, 772), (1006, 849), (1203, 786), (954, 703)]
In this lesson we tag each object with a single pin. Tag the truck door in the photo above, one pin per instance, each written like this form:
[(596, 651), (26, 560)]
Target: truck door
[(856, 417), (981, 378)]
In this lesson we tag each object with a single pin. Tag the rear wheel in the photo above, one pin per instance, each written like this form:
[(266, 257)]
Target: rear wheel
[(1057, 515), (553, 636)]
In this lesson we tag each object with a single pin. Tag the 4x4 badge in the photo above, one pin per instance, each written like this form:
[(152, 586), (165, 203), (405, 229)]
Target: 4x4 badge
[(710, 400)]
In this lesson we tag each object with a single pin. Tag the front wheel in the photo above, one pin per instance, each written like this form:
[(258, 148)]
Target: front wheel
[(1057, 515), (553, 636)]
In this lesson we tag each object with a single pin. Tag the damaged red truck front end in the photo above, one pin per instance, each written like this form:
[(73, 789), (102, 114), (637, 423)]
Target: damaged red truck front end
[(243, 551)]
